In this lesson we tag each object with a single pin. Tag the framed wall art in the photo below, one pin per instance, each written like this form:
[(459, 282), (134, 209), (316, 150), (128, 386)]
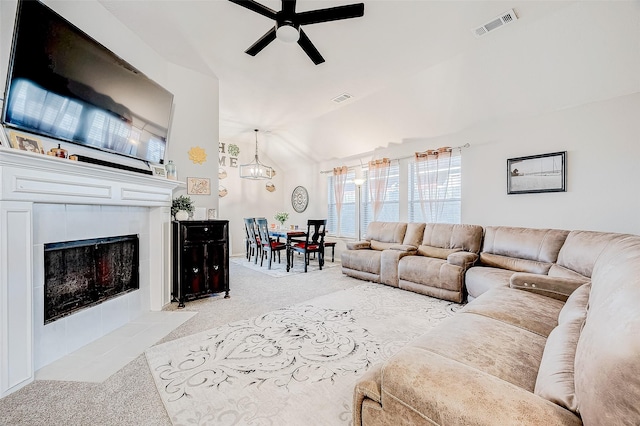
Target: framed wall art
[(26, 142), (299, 199), (537, 173), (198, 186), (159, 171)]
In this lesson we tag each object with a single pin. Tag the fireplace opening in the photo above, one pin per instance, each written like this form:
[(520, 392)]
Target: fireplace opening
[(83, 273)]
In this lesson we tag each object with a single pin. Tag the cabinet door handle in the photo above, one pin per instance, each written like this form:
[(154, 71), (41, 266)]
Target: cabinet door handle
[(216, 267)]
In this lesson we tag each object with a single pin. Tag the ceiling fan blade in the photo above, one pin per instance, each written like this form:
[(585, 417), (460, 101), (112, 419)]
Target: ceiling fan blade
[(309, 48), (288, 7), (330, 14), (256, 7), (262, 43)]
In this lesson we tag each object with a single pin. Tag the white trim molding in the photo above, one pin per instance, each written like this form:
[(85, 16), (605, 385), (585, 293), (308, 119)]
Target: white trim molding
[(27, 180)]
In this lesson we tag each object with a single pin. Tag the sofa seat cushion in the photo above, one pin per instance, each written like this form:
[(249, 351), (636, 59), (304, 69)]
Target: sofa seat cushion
[(533, 312), (419, 387), (431, 272), (497, 348), (480, 279), (362, 260)]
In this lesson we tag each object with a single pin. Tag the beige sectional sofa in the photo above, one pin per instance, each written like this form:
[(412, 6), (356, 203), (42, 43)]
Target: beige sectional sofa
[(426, 258), (552, 338)]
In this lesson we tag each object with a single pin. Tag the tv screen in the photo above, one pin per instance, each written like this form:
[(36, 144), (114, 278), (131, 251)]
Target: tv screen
[(65, 85)]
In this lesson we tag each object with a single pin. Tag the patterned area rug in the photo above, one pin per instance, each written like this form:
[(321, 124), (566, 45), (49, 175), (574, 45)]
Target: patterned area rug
[(279, 270), (293, 366)]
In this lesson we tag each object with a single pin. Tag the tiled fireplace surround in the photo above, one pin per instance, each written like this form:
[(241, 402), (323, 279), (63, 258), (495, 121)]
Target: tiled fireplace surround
[(45, 199)]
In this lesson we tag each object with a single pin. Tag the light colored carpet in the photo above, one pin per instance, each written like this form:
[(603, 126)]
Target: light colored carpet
[(130, 397), (279, 270), (292, 366)]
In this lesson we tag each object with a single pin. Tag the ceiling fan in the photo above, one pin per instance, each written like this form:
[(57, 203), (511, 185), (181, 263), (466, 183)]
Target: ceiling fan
[(288, 23)]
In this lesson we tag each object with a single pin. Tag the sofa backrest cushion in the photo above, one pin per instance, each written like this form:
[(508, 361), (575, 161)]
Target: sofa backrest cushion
[(579, 253), (521, 249), (453, 236), (383, 235), (555, 380), (413, 236), (607, 363)]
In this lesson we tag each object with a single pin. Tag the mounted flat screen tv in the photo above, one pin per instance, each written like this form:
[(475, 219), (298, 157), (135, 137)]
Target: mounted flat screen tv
[(65, 85)]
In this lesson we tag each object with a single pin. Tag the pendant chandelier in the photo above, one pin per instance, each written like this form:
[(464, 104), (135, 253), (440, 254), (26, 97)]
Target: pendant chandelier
[(255, 169)]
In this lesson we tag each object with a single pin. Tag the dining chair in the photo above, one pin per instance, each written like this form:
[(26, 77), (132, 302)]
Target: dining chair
[(269, 246), (313, 242), (254, 247)]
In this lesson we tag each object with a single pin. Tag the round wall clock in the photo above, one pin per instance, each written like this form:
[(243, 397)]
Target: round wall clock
[(299, 199)]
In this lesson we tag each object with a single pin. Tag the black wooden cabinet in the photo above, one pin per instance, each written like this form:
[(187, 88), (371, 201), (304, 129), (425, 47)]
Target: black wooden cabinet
[(200, 259)]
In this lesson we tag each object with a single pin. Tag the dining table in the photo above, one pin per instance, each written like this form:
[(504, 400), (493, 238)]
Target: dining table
[(288, 234)]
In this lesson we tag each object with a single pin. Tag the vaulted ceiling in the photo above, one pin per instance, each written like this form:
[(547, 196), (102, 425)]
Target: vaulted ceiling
[(280, 90)]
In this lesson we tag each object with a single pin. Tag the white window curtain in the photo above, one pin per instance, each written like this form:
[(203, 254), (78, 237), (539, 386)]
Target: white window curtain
[(433, 176), (378, 178), (348, 209), (339, 181)]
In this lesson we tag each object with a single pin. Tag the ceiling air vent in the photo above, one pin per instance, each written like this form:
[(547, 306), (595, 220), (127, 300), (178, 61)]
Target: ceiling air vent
[(505, 18), (341, 98)]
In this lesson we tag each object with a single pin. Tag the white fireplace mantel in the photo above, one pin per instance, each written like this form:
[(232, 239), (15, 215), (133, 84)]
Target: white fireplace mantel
[(27, 179)]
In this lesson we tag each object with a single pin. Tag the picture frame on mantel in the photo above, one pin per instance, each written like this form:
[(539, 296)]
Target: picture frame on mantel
[(25, 142), (159, 171), (537, 173)]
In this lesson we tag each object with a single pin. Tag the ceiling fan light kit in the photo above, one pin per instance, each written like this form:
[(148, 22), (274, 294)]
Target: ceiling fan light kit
[(288, 24), (288, 33)]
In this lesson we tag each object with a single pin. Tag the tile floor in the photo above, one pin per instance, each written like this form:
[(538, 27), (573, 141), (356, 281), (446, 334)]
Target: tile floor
[(98, 360)]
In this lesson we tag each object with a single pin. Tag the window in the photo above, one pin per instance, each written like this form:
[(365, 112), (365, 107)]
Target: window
[(348, 214), (449, 192)]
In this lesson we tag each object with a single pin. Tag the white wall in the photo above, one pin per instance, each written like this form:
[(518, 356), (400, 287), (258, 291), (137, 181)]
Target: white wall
[(569, 82), (249, 198), (194, 124), (601, 140)]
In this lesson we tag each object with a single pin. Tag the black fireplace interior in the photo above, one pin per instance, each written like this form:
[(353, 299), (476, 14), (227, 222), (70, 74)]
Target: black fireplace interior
[(83, 273)]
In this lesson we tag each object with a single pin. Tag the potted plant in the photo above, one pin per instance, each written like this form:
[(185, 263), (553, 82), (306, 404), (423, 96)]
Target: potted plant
[(282, 218), (182, 207)]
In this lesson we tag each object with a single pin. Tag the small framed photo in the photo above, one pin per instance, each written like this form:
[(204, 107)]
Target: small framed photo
[(158, 171), (537, 173), (198, 186), (25, 142)]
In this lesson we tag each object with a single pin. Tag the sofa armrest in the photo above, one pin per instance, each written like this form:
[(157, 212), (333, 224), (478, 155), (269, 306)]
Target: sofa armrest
[(367, 387), (358, 245), (420, 383), (404, 247), (554, 287), (464, 259), (389, 260)]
